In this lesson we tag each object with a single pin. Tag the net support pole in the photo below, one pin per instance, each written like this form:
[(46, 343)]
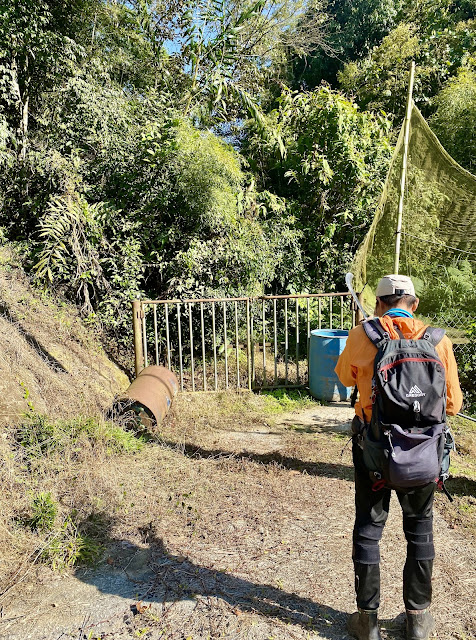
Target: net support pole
[(403, 177)]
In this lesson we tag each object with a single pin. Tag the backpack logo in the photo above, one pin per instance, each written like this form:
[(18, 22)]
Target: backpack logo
[(415, 392)]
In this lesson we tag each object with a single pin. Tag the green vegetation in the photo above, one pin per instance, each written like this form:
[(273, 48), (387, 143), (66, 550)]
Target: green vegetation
[(44, 511), (437, 34), (331, 176), (455, 116), (68, 546), (155, 148), (281, 400), (184, 148), (64, 544), (37, 436), (467, 369)]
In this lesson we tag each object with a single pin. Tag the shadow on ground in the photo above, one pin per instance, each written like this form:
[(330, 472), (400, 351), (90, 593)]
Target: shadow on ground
[(326, 418), (461, 486), (327, 469), (154, 576)]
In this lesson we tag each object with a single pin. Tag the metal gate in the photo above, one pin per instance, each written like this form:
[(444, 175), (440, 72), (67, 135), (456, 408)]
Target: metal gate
[(215, 344)]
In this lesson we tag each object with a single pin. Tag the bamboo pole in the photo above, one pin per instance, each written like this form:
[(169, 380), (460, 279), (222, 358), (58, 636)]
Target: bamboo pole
[(403, 177)]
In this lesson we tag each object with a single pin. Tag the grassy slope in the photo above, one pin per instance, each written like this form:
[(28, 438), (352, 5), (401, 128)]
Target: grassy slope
[(50, 360)]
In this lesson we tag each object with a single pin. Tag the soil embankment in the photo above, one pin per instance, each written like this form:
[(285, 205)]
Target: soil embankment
[(51, 363)]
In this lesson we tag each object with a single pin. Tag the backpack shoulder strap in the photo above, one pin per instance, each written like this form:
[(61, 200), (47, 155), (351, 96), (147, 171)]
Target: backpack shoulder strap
[(434, 335), (375, 332), (399, 332)]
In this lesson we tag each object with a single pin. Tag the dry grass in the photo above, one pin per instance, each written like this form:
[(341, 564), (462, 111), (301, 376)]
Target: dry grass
[(72, 465), (461, 514), (246, 517), (49, 358)]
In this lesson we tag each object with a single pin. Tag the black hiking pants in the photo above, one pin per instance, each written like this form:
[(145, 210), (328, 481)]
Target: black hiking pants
[(371, 512)]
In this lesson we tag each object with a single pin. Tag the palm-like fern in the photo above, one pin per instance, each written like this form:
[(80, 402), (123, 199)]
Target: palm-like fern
[(70, 239)]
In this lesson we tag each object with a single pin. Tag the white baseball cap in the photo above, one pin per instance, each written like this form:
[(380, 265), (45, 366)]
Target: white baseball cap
[(395, 285)]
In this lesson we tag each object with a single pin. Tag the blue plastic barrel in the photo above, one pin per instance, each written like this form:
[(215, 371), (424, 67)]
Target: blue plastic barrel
[(325, 347)]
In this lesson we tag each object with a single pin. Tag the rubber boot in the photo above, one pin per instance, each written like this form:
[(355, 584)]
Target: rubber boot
[(420, 624), (363, 625)]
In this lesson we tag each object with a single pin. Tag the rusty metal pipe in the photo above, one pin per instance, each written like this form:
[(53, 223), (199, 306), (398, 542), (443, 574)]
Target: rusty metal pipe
[(150, 395)]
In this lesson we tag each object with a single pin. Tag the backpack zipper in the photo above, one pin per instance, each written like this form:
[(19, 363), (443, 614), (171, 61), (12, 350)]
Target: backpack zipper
[(386, 367), (389, 436)]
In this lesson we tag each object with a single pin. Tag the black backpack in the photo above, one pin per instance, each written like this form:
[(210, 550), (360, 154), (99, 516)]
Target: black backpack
[(407, 443)]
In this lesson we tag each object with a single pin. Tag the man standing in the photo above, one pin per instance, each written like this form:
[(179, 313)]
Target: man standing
[(396, 304)]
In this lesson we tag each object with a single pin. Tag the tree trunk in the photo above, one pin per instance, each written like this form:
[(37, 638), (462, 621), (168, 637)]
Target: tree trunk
[(23, 108), (24, 126)]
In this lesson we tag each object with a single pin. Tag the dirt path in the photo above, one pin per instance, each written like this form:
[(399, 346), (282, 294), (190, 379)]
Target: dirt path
[(245, 534)]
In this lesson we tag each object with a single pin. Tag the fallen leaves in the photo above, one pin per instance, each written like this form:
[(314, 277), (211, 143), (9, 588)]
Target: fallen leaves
[(139, 607)]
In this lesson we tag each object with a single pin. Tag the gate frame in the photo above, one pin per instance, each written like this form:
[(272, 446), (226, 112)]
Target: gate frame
[(140, 341)]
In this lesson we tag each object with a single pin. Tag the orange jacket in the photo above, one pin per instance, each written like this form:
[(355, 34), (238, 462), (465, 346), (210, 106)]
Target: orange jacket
[(356, 363)]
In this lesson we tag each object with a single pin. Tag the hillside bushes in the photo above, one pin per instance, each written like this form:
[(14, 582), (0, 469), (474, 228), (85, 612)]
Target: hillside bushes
[(330, 174)]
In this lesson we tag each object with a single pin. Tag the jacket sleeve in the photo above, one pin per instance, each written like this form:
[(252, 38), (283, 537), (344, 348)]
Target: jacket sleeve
[(346, 372), (454, 395)]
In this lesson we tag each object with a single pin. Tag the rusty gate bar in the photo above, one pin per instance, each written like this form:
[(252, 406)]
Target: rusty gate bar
[(275, 352), (137, 332), (192, 362), (214, 347), (179, 330), (237, 347), (204, 361), (156, 336), (286, 341), (225, 344), (248, 342), (297, 340), (144, 338), (168, 335), (177, 345), (264, 344), (253, 350), (308, 340)]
